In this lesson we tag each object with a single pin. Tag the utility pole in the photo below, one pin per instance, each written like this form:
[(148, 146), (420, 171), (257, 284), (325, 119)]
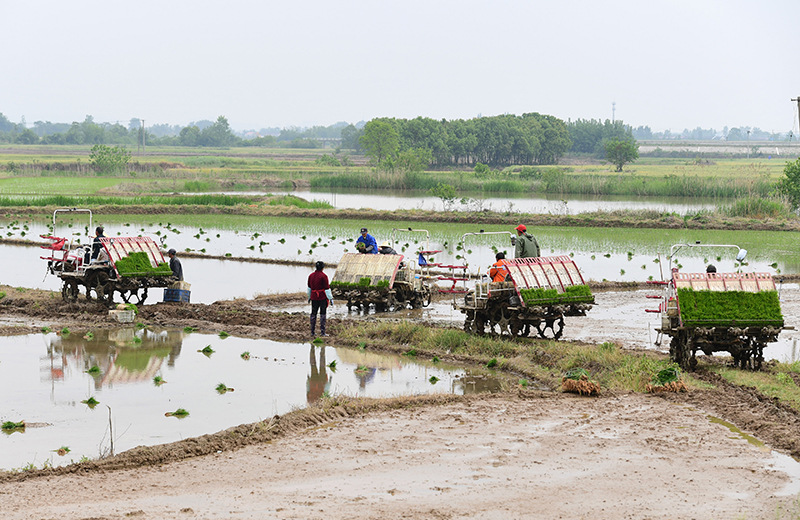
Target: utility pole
[(613, 111), (748, 144), (797, 99), (143, 138)]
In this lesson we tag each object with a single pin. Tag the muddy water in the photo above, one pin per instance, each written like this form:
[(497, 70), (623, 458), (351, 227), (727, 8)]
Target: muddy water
[(43, 380)]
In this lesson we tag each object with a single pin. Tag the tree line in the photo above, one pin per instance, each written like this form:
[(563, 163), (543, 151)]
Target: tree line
[(497, 141)]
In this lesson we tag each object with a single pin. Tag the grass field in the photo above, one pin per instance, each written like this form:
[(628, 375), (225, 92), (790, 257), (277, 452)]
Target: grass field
[(244, 168)]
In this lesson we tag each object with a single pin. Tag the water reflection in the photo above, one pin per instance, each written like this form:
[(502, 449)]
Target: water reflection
[(44, 381), (122, 355), (318, 383)]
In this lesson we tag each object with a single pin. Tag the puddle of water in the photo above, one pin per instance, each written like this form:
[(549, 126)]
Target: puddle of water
[(43, 379), (739, 433), (779, 462)]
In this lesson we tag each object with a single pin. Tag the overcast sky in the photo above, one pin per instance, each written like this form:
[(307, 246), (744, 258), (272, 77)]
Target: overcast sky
[(667, 64)]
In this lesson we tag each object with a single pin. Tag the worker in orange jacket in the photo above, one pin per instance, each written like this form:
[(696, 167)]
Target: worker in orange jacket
[(499, 271)]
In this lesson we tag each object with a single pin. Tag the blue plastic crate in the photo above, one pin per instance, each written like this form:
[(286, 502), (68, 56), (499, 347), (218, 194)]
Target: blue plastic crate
[(176, 295)]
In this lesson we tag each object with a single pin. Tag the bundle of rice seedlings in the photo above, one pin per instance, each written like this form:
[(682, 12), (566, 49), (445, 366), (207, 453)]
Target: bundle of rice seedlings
[(577, 381), (667, 380)]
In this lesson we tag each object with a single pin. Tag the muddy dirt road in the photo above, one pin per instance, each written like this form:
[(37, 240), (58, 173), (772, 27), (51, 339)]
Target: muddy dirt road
[(522, 454)]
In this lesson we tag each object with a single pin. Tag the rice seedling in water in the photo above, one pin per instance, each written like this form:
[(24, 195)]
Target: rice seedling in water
[(361, 369), (189, 329), (492, 363), (91, 402), (433, 380), (317, 341), (180, 413), (411, 353), (223, 334), (245, 355), (95, 370), (65, 331), (11, 425), (223, 388), (435, 359), (158, 380), (63, 450), (332, 365), (207, 350), (45, 330), (89, 335)]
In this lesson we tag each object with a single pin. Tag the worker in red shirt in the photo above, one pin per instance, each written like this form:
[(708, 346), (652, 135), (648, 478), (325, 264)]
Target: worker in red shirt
[(499, 270), (319, 295)]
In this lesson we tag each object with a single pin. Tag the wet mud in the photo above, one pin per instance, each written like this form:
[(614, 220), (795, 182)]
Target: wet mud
[(26, 311)]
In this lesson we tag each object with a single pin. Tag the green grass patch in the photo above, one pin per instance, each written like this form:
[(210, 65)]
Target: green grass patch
[(292, 200), (573, 294), (138, 264), (11, 425), (542, 361), (729, 308)]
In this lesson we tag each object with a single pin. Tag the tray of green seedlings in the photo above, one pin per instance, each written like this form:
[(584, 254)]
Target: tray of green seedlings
[(138, 264), (572, 294), (729, 308), (364, 284)]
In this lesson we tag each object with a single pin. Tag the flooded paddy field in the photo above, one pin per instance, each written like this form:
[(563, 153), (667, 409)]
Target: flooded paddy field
[(617, 254), (44, 379), (514, 202)]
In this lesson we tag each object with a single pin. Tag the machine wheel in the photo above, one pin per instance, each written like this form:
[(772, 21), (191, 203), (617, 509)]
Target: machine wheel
[(69, 291), (479, 325), (500, 321), (556, 326), (133, 294), (679, 350), (469, 322), (519, 328)]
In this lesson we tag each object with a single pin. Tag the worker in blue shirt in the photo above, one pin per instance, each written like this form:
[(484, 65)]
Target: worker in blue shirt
[(370, 244)]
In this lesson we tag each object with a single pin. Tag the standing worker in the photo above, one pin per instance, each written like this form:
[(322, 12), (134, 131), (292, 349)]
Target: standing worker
[(370, 244), (319, 295), (499, 271), (175, 265), (527, 246)]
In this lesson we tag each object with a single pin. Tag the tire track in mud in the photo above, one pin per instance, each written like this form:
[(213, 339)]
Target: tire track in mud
[(771, 421)]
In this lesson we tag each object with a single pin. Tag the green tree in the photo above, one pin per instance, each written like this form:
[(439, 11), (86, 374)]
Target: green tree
[(218, 134), (106, 159), (446, 193), (380, 141), (350, 136), (28, 136), (620, 153), (189, 136), (789, 185), (413, 160)]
